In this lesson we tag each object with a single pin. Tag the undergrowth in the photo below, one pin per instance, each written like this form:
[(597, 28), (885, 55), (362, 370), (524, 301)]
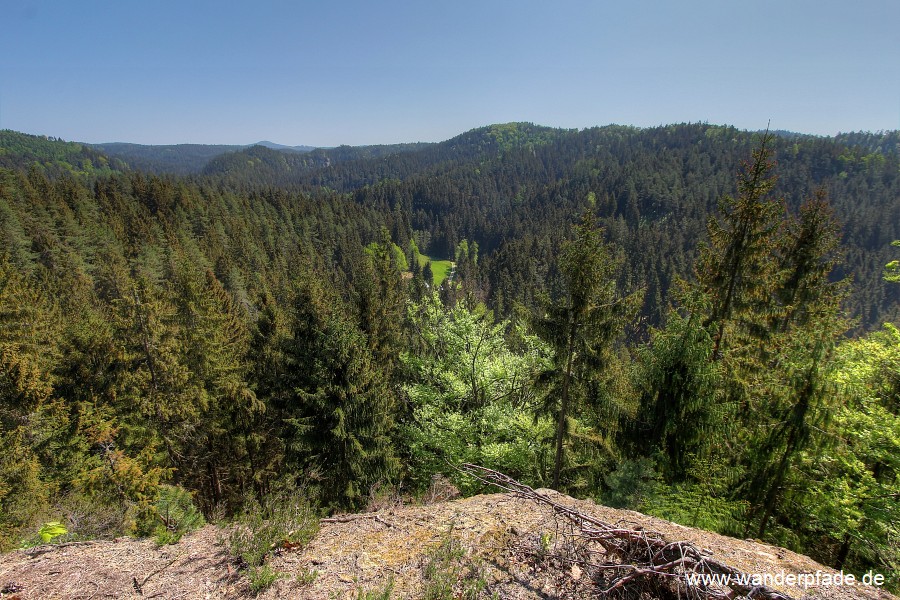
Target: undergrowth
[(177, 515), (452, 575), (285, 519)]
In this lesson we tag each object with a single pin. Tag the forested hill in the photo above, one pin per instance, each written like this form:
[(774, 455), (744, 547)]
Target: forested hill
[(53, 156), (231, 347), (176, 159), (262, 165), (515, 188)]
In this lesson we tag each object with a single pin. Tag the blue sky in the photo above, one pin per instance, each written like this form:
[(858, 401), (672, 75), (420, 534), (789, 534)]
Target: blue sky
[(365, 72)]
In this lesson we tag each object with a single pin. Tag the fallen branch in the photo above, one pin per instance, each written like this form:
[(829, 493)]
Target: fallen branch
[(45, 548), (351, 518), (139, 587), (641, 554)]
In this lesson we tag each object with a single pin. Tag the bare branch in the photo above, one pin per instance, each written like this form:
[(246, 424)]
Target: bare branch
[(644, 556)]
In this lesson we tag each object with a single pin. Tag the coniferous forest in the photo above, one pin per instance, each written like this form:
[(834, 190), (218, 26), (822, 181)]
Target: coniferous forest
[(693, 321)]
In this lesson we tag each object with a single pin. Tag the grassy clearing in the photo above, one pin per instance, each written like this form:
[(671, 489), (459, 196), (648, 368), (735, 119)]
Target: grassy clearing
[(439, 268)]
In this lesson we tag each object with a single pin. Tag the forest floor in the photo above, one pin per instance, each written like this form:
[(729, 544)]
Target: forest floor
[(488, 546)]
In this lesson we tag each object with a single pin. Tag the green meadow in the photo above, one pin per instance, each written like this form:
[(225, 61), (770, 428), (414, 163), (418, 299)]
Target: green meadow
[(439, 268)]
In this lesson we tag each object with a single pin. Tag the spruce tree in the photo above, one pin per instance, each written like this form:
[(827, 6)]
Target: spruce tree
[(581, 326), (214, 345), (679, 394), (735, 269), (338, 409), (805, 324)]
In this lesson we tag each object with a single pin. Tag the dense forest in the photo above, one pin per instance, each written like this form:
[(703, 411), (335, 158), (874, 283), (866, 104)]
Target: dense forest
[(692, 321)]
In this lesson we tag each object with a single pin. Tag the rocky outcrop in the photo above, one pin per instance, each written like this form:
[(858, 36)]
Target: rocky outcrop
[(486, 546)]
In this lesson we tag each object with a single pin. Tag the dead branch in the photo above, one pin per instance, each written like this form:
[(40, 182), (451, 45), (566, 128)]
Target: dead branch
[(139, 586), (351, 518), (642, 555)]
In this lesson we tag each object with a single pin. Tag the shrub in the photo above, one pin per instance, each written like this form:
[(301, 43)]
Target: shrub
[(450, 575), (377, 594), (177, 514), (284, 518)]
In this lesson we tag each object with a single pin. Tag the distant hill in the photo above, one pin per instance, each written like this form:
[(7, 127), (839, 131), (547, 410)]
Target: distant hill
[(275, 146), (178, 159), (513, 187), (188, 159), (265, 165)]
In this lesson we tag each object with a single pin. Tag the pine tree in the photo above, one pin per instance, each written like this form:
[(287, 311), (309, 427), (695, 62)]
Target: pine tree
[(338, 409), (381, 303), (736, 269), (805, 325), (581, 326)]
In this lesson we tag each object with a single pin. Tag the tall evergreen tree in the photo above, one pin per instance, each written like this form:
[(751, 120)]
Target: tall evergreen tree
[(214, 342), (581, 326), (805, 324), (381, 303), (736, 269), (339, 410), (26, 387), (679, 394)]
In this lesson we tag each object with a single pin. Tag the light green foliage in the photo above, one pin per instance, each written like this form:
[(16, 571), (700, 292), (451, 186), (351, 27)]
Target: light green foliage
[(440, 269), (855, 484), (892, 269), (398, 256), (692, 505), (52, 155), (703, 499), (514, 136), (50, 530), (469, 396)]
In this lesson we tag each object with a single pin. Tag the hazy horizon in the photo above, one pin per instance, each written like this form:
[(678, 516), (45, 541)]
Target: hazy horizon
[(301, 144)]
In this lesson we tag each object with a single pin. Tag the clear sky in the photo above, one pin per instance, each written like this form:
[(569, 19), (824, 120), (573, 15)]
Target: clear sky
[(329, 72)]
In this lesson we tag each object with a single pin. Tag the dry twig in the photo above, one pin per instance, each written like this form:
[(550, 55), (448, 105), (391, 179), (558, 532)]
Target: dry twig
[(641, 556)]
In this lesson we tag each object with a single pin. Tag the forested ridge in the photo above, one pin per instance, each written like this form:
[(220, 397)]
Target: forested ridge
[(515, 188), (685, 320)]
